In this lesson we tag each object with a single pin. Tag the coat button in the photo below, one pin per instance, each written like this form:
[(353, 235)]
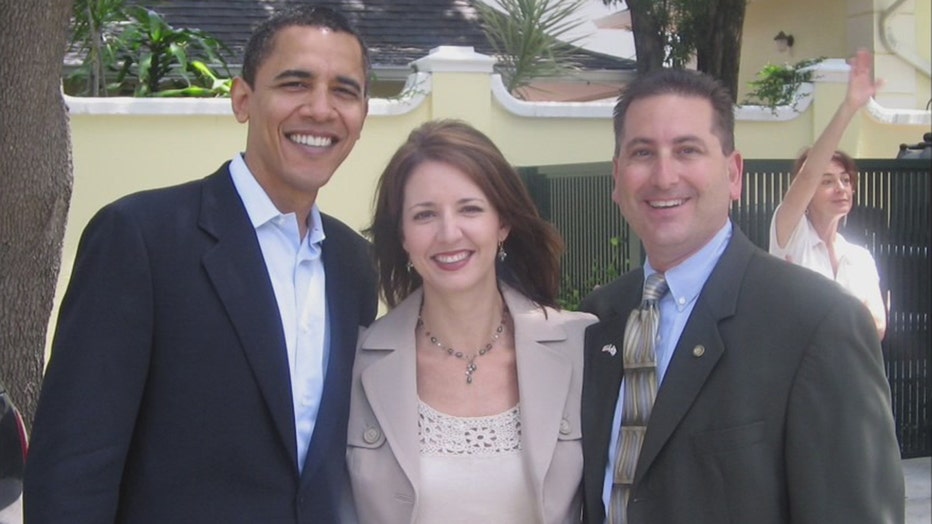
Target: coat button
[(371, 435), (565, 427), (698, 351)]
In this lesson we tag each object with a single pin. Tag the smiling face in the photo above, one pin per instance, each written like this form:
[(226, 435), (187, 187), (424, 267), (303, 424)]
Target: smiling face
[(833, 197), (450, 230), (673, 183), (305, 111)]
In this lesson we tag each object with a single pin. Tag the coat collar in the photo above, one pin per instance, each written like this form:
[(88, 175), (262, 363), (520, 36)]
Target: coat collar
[(235, 267), (544, 380)]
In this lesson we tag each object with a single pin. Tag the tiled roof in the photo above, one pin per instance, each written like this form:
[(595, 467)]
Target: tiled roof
[(396, 31)]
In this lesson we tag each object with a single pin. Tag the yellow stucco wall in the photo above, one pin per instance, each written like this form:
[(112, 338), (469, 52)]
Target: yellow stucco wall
[(818, 31), (551, 140), (924, 29), (837, 28), (924, 47)]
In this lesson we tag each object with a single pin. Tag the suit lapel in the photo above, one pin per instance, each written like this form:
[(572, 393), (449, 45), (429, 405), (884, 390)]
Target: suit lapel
[(237, 271), (691, 366), (343, 324), (603, 372), (544, 377), (390, 384)]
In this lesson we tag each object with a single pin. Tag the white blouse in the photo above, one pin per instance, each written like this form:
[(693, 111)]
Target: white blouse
[(857, 271), (472, 469)]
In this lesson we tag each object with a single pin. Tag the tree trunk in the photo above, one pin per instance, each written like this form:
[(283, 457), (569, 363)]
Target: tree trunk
[(648, 36), (719, 54), (731, 24), (35, 185)]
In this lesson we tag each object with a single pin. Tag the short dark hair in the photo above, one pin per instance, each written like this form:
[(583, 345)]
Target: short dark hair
[(262, 39), (844, 159), (682, 82), (533, 245)]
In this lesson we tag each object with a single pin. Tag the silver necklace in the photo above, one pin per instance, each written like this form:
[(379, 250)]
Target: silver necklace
[(470, 360)]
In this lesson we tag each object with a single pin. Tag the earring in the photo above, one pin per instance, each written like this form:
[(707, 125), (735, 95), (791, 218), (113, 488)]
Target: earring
[(409, 266), (501, 251)]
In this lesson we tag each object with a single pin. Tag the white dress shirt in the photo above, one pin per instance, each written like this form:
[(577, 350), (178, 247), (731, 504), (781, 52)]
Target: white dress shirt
[(857, 271), (685, 282), (296, 271)]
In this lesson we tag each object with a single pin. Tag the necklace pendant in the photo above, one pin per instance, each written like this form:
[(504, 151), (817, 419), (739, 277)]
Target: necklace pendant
[(470, 368), (470, 360)]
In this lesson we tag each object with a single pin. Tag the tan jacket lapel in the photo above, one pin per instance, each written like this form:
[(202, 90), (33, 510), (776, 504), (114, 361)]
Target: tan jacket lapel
[(390, 383), (544, 377)]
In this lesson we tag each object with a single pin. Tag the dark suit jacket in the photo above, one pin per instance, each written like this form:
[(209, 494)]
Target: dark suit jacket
[(168, 398), (775, 407)]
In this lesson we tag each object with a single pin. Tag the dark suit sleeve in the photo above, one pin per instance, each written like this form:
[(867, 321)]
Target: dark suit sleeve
[(370, 289), (842, 458), (94, 382)]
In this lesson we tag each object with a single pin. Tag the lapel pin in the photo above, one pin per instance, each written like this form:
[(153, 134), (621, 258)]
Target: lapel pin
[(698, 351), (610, 349)]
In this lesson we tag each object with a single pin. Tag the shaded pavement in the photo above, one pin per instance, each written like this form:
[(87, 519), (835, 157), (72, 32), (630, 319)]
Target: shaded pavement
[(918, 474)]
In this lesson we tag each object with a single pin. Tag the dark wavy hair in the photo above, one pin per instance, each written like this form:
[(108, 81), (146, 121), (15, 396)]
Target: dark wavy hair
[(844, 159), (262, 40), (682, 82), (533, 245)]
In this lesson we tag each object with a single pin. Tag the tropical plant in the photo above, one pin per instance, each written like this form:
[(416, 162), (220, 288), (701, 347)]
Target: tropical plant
[(778, 85), (526, 38), (208, 84), (142, 55), (92, 36), (155, 55)]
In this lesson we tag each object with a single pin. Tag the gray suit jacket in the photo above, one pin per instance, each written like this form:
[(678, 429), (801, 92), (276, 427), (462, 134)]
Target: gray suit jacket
[(775, 407), (384, 463)]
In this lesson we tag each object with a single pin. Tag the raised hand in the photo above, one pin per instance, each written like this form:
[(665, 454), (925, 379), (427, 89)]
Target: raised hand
[(861, 84)]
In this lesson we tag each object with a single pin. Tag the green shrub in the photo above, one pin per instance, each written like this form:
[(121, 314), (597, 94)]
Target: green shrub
[(134, 51), (778, 85)]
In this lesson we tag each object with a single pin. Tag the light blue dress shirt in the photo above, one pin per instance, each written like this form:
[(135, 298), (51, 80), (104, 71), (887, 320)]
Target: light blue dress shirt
[(296, 271), (685, 282)]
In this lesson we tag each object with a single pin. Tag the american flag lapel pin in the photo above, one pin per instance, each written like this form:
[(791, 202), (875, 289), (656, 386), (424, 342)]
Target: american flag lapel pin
[(610, 349)]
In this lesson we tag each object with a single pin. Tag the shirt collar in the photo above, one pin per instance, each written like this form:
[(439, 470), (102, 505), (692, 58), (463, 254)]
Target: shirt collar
[(841, 244), (686, 280), (259, 206)]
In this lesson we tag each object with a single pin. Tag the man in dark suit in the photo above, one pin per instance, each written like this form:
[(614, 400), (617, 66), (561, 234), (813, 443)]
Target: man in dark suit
[(772, 404), (202, 362)]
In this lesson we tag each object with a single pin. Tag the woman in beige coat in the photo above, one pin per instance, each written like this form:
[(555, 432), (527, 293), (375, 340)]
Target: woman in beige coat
[(466, 395)]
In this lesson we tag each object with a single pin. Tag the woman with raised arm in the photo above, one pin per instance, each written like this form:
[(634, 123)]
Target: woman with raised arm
[(804, 229)]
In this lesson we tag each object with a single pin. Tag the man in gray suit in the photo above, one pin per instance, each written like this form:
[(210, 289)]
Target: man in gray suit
[(772, 404)]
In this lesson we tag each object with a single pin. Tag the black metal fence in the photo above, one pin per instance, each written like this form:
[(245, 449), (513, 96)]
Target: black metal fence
[(890, 218)]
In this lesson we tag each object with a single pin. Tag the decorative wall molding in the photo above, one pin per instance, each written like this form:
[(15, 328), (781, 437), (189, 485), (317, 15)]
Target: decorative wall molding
[(453, 59)]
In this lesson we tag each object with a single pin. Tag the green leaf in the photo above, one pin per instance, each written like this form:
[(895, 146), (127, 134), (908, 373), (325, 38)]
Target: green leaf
[(141, 51), (778, 85), (525, 38)]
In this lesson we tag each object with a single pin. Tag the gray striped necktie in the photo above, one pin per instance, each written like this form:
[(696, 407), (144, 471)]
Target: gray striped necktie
[(640, 390)]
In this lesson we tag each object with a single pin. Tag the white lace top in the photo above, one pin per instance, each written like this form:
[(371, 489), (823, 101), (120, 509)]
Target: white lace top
[(472, 469)]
